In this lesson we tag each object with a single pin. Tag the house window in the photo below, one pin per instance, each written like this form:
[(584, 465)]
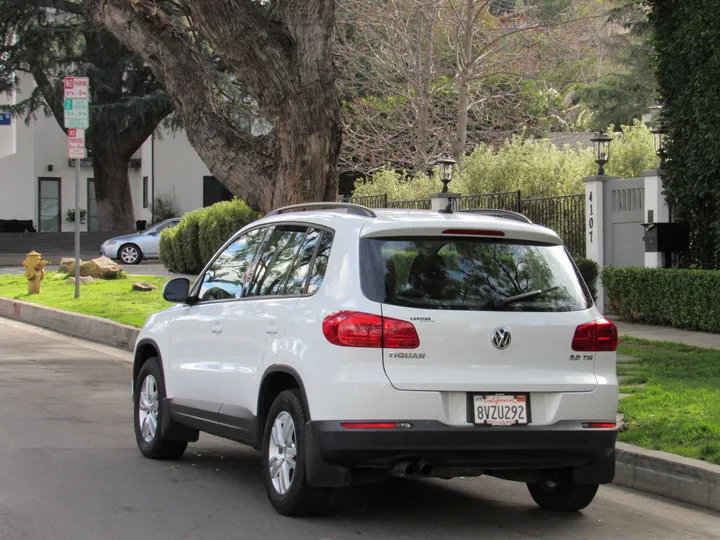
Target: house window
[(146, 203), (214, 191), (49, 204), (92, 216)]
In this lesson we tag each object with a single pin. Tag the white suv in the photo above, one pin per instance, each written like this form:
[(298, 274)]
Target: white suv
[(351, 345)]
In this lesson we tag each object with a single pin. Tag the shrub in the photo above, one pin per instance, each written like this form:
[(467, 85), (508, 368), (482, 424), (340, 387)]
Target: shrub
[(166, 251), (399, 186), (187, 247), (682, 298), (186, 243), (219, 222), (590, 271), (537, 168), (165, 207)]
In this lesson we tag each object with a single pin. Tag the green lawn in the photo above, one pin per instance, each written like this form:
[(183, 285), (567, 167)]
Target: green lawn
[(678, 408), (110, 299)]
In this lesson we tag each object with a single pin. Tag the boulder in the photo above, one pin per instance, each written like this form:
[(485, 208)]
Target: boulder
[(69, 266), (66, 263), (101, 268), (142, 286), (83, 279)]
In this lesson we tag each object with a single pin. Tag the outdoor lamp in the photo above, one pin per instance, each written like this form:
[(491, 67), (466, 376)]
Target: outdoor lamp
[(601, 147), (447, 166), (659, 135)]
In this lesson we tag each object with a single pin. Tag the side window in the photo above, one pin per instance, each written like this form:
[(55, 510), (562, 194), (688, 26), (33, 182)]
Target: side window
[(321, 262), (276, 261), (227, 276), (298, 277)]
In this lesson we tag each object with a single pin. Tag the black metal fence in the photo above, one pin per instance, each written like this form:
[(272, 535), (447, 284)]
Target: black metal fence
[(565, 214)]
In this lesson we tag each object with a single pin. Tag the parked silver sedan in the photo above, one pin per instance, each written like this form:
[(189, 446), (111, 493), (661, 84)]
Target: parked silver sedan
[(133, 248)]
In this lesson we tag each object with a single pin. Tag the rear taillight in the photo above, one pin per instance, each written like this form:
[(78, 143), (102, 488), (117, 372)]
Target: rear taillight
[(597, 336), (354, 329)]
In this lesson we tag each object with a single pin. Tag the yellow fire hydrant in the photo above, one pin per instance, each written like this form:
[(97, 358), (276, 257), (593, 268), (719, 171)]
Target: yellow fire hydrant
[(34, 271)]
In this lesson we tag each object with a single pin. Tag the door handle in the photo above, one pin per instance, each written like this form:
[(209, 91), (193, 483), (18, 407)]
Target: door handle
[(217, 328), (272, 328)]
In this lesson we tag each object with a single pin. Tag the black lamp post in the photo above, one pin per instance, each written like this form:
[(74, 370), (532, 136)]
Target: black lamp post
[(659, 135), (601, 148), (447, 167)]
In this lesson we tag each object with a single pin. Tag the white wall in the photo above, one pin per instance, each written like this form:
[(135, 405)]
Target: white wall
[(17, 190), (178, 168)]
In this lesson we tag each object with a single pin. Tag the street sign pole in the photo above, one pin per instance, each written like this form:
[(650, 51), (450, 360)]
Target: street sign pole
[(77, 228), (77, 119)]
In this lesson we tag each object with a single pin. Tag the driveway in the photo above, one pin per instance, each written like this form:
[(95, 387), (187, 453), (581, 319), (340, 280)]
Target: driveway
[(69, 470)]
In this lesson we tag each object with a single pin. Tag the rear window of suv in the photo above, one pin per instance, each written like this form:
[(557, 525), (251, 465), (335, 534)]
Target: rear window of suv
[(470, 274)]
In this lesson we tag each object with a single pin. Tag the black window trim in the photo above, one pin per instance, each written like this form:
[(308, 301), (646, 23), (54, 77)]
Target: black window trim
[(194, 291)]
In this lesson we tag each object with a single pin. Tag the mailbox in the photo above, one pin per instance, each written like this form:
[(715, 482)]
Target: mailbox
[(666, 237)]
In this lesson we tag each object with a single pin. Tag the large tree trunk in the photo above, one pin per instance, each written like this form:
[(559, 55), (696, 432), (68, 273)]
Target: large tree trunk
[(112, 189), (282, 56), (464, 81)]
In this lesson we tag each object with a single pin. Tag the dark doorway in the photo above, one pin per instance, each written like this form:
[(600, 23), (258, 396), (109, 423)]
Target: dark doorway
[(214, 191)]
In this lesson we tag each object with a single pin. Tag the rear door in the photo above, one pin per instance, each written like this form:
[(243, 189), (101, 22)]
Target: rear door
[(477, 333)]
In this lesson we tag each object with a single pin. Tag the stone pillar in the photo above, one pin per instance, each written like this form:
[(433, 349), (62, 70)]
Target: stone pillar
[(595, 227), (440, 201), (656, 211)]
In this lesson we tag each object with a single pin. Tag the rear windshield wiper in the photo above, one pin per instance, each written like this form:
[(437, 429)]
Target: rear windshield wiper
[(524, 296)]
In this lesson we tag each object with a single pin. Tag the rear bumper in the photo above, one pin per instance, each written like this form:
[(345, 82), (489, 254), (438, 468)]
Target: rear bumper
[(590, 452)]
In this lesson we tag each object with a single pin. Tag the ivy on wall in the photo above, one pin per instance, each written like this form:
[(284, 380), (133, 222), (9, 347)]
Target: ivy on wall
[(687, 44)]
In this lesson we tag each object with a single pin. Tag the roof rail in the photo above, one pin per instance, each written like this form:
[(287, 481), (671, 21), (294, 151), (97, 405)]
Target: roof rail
[(508, 214), (351, 208)]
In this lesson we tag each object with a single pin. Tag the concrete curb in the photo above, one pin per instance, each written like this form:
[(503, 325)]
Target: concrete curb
[(674, 477), (678, 478), (103, 331)]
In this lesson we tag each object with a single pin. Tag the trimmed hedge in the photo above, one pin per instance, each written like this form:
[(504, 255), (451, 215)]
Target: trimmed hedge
[(188, 247), (687, 299)]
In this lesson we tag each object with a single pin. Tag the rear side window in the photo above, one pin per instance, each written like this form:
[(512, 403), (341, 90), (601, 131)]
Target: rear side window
[(470, 274), (276, 261), (298, 277)]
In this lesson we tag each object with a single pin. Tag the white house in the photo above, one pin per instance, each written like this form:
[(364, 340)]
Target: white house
[(37, 181)]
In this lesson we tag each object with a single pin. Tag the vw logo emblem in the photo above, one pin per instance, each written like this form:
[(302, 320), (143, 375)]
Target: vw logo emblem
[(501, 338)]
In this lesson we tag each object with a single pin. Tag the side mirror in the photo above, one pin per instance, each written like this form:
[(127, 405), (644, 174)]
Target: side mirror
[(176, 290)]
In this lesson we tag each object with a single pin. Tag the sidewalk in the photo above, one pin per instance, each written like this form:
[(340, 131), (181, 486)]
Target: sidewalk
[(664, 333)]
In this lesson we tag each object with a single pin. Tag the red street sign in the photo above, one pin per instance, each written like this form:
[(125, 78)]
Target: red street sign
[(76, 143), (77, 88)]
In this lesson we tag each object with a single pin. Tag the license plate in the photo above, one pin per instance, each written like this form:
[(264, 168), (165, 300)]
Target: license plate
[(501, 409)]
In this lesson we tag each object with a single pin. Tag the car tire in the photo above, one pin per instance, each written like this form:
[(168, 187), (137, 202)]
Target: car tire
[(562, 494), (149, 410), (130, 254), (284, 459)]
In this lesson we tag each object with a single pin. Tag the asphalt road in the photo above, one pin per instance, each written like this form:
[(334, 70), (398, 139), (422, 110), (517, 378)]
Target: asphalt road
[(69, 470)]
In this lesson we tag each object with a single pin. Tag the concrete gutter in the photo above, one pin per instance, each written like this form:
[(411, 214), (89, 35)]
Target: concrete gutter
[(674, 477), (121, 336)]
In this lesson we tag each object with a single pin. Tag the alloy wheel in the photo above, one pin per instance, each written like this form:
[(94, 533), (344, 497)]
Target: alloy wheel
[(148, 407), (129, 255), (282, 452)]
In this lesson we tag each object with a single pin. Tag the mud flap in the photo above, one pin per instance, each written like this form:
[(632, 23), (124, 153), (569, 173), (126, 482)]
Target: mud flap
[(318, 472), (173, 431)]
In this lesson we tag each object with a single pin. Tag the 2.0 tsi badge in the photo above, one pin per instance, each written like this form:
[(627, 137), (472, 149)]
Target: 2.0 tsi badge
[(501, 338)]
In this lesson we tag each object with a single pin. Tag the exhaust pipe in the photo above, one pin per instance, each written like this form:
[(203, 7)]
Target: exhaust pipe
[(405, 468), (426, 469)]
